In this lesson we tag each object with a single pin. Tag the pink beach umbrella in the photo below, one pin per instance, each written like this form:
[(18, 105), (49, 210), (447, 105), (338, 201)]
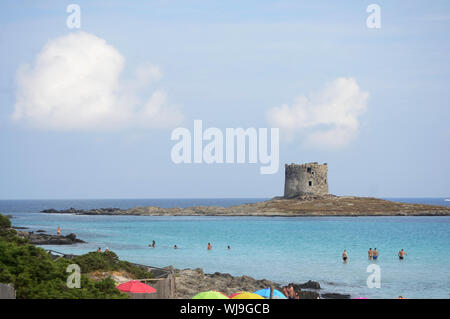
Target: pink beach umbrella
[(135, 286)]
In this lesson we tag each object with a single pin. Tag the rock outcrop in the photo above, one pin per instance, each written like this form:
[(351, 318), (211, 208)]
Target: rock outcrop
[(307, 285), (46, 239), (189, 282)]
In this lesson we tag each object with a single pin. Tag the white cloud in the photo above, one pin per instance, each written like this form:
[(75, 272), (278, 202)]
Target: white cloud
[(328, 119), (148, 73), (75, 83)]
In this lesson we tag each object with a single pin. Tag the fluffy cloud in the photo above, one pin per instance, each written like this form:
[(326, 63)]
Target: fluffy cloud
[(327, 119), (75, 83)]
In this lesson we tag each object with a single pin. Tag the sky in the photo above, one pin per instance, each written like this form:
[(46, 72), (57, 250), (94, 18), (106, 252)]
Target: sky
[(88, 112)]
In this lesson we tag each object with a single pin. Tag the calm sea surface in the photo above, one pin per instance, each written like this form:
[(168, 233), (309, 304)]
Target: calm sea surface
[(280, 249)]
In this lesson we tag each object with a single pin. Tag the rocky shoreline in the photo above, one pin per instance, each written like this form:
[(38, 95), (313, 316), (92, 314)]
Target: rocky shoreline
[(328, 205), (46, 239), (189, 282)]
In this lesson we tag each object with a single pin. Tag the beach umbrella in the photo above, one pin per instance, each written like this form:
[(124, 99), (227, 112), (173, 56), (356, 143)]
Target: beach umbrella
[(247, 295), (235, 294), (135, 286), (266, 293), (210, 295)]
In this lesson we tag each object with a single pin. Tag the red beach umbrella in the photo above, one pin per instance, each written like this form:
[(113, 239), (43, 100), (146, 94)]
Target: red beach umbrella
[(235, 294), (135, 286)]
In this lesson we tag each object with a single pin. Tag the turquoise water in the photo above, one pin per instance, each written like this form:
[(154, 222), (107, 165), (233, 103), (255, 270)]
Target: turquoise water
[(280, 249)]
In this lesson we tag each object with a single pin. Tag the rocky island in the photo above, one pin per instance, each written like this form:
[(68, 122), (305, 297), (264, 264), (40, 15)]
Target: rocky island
[(306, 205), (305, 194)]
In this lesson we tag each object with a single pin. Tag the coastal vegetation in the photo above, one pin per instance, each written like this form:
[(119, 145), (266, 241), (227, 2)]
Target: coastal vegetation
[(107, 262), (35, 274)]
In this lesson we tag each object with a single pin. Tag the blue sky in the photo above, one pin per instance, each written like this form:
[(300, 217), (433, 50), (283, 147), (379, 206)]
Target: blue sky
[(228, 63)]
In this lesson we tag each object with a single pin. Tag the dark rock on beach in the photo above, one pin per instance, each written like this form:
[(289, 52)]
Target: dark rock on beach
[(334, 296), (46, 239), (307, 285), (306, 294), (40, 231), (18, 227)]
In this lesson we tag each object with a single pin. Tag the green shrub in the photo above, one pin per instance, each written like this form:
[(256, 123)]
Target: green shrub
[(108, 261), (4, 221), (35, 274)]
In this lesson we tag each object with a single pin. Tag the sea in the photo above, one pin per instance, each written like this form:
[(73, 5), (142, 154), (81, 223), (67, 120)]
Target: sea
[(281, 249)]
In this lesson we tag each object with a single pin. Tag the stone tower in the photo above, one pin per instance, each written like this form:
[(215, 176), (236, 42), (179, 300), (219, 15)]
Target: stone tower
[(306, 179)]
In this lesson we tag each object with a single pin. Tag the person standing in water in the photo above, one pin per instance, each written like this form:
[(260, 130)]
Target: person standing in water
[(375, 254), (229, 247), (401, 254), (209, 246), (58, 231), (370, 253), (153, 244), (344, 256)]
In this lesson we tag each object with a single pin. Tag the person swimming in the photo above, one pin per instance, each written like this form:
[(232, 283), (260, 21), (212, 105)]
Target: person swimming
[(370, 253), (175, 247), (375, 254), (344, 256), (229, 247), (402, 254)]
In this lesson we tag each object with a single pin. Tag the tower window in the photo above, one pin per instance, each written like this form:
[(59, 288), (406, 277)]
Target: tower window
[(310, 183), (308, 169)]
